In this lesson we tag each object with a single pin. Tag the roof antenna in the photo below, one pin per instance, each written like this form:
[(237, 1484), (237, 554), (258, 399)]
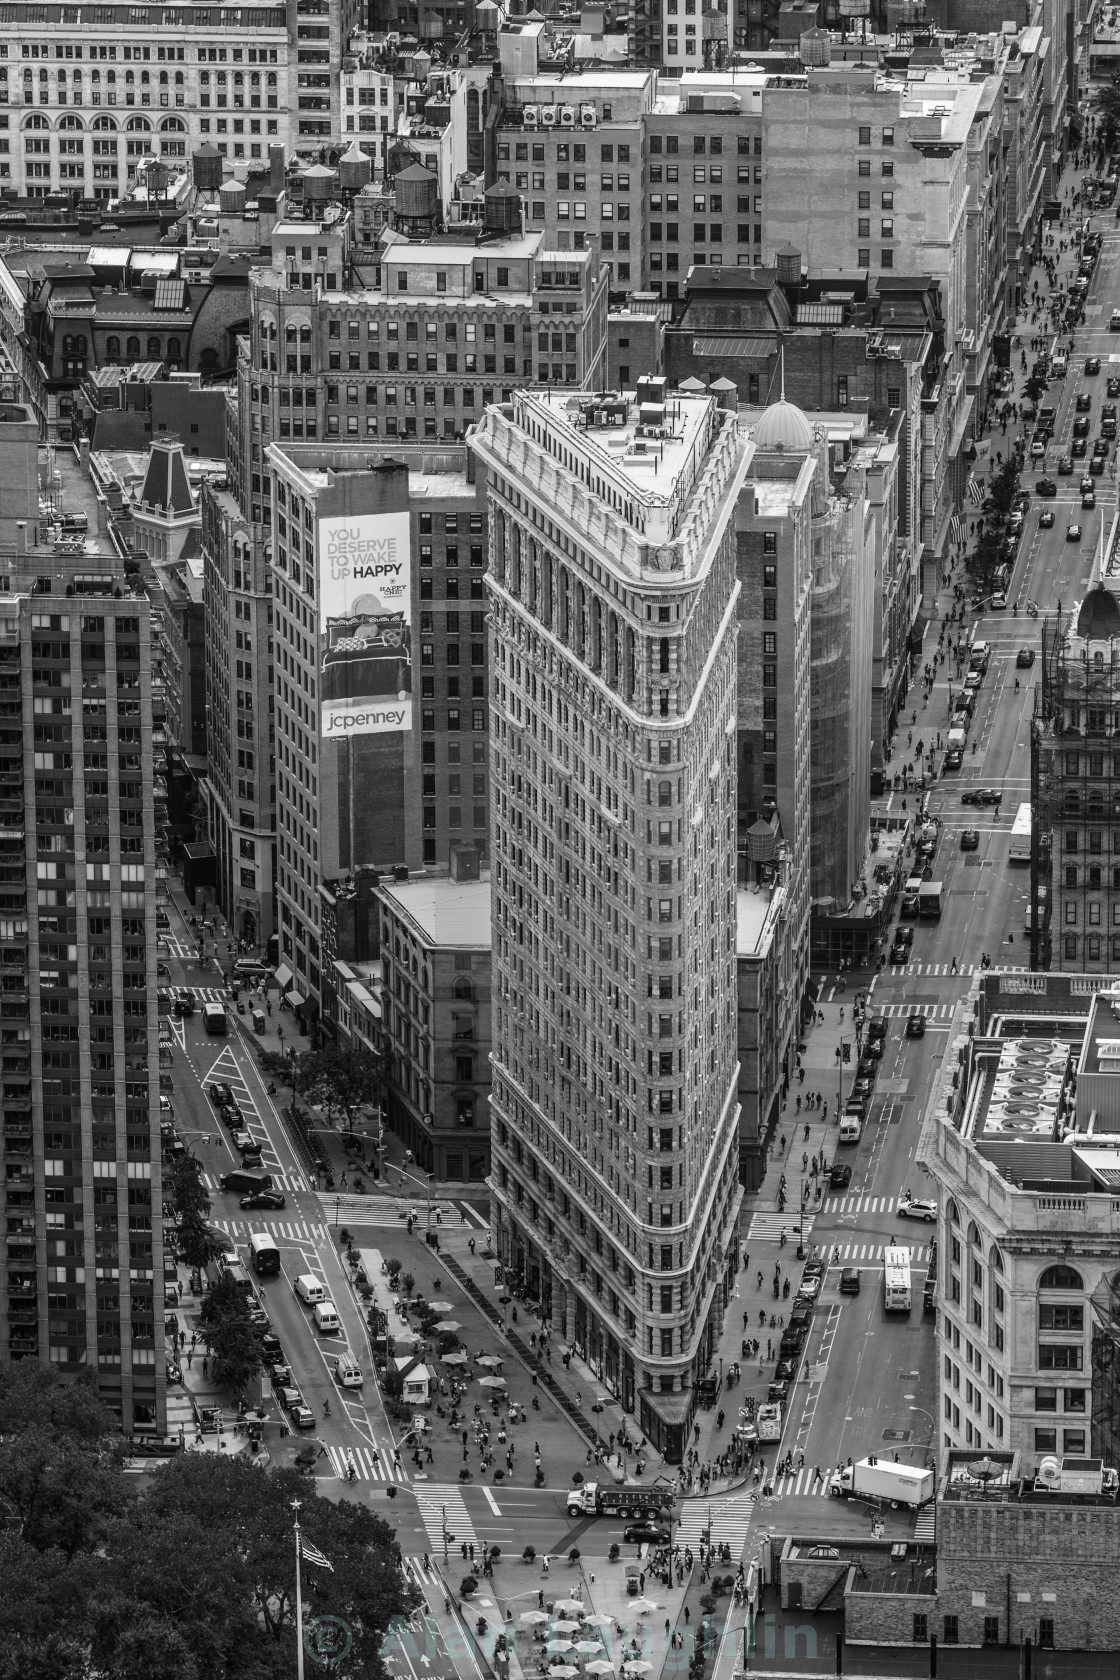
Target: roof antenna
[(782, 354)]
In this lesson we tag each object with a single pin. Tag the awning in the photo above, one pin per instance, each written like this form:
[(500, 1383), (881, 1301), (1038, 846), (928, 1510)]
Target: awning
[(296, 999), (284, 977), (737, 349)]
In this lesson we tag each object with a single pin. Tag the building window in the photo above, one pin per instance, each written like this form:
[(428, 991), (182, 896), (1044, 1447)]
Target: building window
[(950, 1633), (1045, 1440), (991, 1630), (842, 391), (921, 1627), (770, 546)]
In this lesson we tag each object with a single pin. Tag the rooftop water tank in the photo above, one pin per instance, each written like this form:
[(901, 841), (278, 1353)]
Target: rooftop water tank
[(206, 167), (318, 184), (788, 262), (231, 198), (416, 194), (354, 169), (503, 208)]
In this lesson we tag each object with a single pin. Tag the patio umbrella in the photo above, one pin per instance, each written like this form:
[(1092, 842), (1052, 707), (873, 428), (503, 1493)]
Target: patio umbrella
[(600, 1666), (533, 1618), (492, 1382), (598, 1621), (555, 1646), (636, 1666), (453, 1359), (491, 1361), (565, 1627), (573, 1606), (440, 1306), (448, 1324), (588, 1647), (644, 1606), (564, 1671)]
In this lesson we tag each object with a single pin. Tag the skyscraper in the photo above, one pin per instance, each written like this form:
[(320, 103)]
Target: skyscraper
[(613, 733), (79, 684)]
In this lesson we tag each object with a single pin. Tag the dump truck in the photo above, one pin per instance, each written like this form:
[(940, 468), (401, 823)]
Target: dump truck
[(879, 1479), (601, 1499)]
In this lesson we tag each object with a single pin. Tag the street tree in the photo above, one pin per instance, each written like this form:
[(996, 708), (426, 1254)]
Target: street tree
[(198, 1242), (343, 1081), (234, 1342), (188, 1192)]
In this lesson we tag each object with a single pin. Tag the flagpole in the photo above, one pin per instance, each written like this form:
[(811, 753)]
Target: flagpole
[(299, 1602)]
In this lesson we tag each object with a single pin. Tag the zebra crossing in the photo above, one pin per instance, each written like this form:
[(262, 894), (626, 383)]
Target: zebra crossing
[(927, 1524), (208, 994), (931, 1011), (295, 1230), (768, 1227), (859, 1203), (414, 1567), (848, 1254), (932, 969), (728, 1519), (368, 1464), (441, 1503)]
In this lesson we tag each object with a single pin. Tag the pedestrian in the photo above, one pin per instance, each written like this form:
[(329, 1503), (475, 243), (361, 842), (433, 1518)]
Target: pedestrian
[(206, 1367)]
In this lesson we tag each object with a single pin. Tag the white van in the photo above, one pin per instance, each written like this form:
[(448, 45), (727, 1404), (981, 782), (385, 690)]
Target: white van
[(325, 1318), (346, 1371), (310, 1289), (851, 1128), (958, 738), (1058, 365)]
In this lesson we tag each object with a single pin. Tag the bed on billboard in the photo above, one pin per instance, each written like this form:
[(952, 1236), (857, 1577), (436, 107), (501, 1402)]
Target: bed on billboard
[(365, 622)]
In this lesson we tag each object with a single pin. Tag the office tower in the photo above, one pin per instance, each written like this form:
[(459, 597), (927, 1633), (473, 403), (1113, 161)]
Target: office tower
[(612, 760), (381, 703), (239, 787), (79, 805), (1073, 918)]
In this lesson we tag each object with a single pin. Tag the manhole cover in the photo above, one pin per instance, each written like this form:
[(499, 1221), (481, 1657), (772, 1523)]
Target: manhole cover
[(973, 862), (896, 1434)]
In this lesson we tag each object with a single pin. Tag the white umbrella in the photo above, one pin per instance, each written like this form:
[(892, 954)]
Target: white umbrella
[(440, 1306), (565, 1627), (555, 1646), (588, 1647), (644, 1606), (491, 1382), (600, 1666), (453, 1359), (533, 1618), (448, 1324), (566, 1606), (489, 1361), (598, 1621), (564, 1671), (636, 1666)]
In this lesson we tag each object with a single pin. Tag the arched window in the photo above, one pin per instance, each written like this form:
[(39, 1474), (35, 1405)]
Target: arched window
[(132, 345), (129, 78), (138, 125), (995, 1259), (163, 78), (112, 346), (175, 348), (105, 125), (178, 78), (463, 989), (153, 347), (37, 122), (70, 123), (80, 344), (1061, 1277), (951, 1210), (67, 345)]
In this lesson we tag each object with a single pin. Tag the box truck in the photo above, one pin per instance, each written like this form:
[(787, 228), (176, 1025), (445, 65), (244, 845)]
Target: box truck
[(875, 1478)]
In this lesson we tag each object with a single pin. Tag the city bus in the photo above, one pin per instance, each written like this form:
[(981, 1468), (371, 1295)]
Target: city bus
[(896, 1280), (264, 1254), (1020, 850), (214, 1019)]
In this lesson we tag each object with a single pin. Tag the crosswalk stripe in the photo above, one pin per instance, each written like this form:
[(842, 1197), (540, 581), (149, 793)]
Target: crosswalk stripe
[(297, 1230), (931, 1011), (367, 1463), (728, 1519), (439, 1500), (927, 1523), (289, 1182), (765, 1226)]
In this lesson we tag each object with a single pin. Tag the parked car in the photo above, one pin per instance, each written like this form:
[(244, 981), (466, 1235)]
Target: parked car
[(839, 1177), (954, 758)]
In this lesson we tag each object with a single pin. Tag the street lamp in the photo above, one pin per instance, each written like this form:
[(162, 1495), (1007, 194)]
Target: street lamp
[(932, 1425)]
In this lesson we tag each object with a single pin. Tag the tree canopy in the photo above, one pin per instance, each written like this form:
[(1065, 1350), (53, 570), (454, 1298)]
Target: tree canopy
[(342, 1081), (192, 1575)]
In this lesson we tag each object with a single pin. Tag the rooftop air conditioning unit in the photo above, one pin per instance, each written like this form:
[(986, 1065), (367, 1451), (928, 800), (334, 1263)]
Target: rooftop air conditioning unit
[(587, 116), (548, 116), (567, 116), (529, 116)]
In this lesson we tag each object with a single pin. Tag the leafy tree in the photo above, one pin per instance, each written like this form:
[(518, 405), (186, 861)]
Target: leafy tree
[(188, 1192), (198, 1243), (234, 1343), (1035, 387), (1108, 120), (342, 1081), (275, 1065), (1002, 490), (60, 1458), (984, 561)]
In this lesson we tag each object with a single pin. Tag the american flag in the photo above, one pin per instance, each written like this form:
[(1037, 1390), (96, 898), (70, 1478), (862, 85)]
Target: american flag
[(956, 528), (975, 491), (312, 1554)]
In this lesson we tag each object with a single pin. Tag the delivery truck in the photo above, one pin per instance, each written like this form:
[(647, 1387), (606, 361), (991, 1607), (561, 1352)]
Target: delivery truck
[(769, 1421), (602, 1499), (879, 1479), (929, 901)]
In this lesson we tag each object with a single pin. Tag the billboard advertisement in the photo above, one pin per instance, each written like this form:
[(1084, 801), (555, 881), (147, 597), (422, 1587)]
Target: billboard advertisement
[(365, 606)]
